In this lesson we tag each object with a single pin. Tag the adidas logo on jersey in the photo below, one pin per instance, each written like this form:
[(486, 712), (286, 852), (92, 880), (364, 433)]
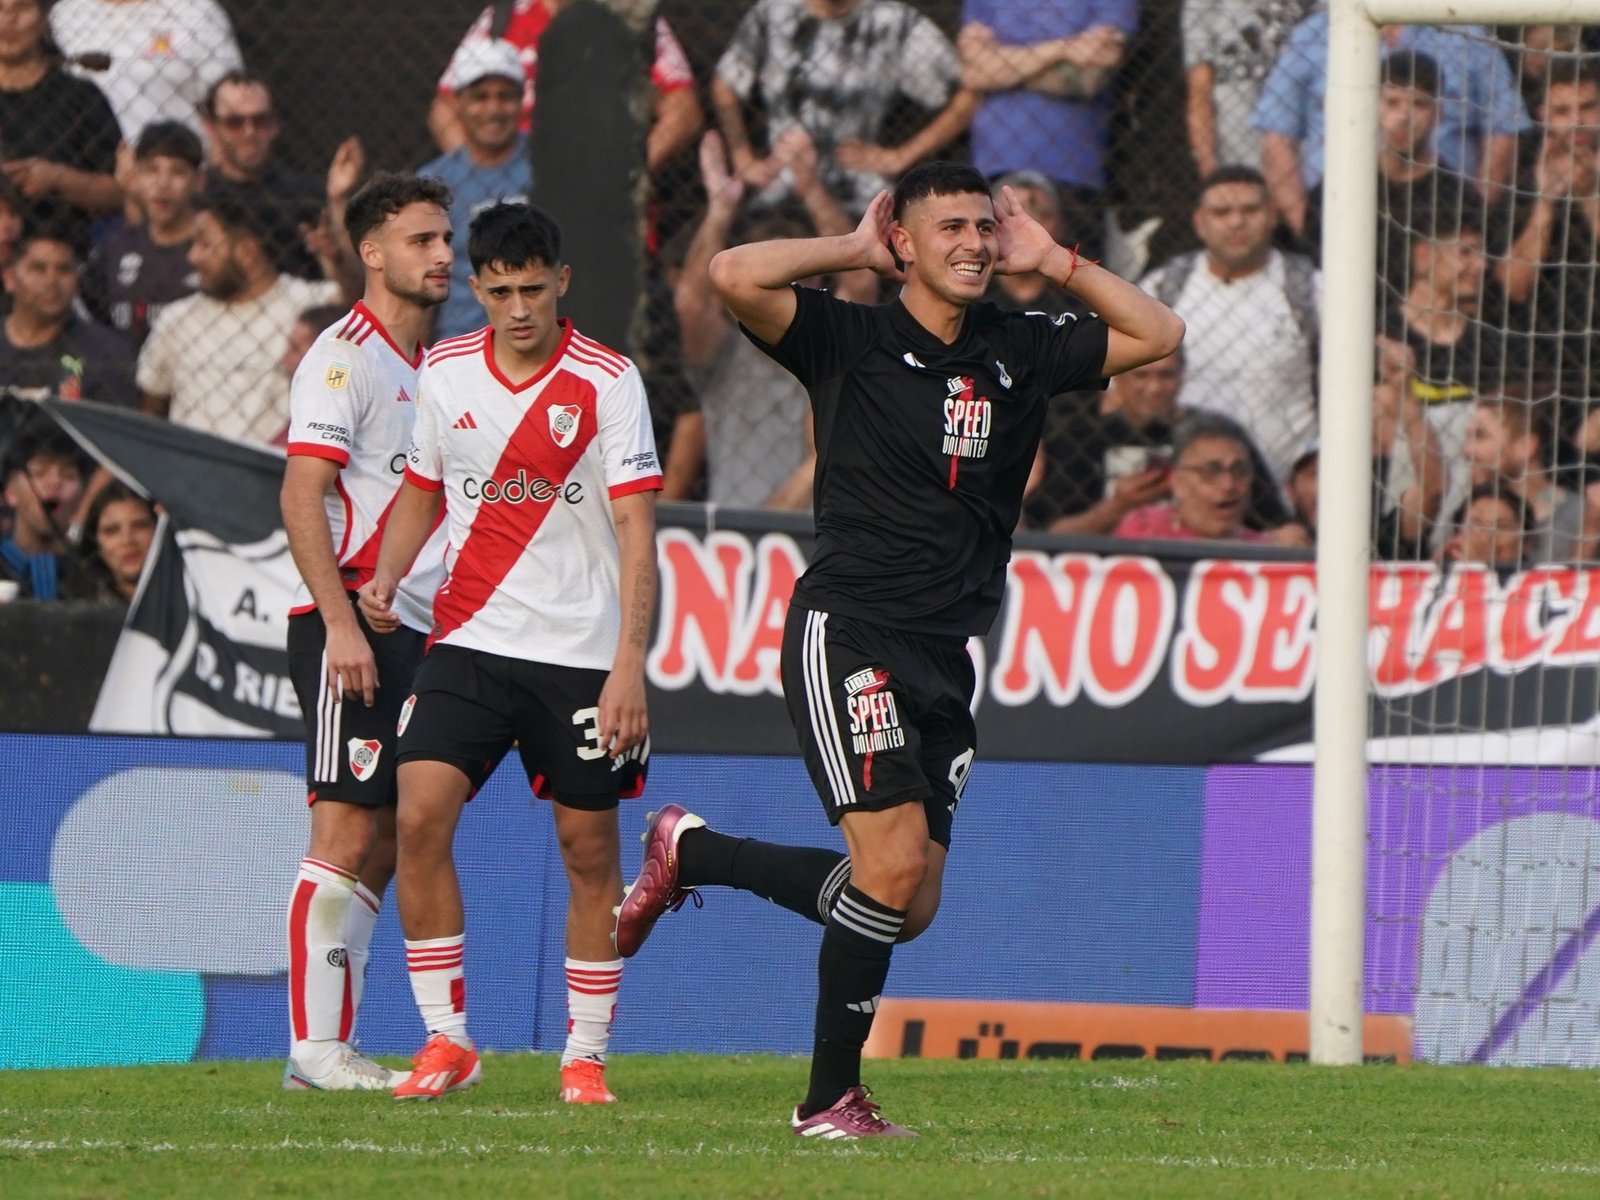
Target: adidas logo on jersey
[(466, 422)]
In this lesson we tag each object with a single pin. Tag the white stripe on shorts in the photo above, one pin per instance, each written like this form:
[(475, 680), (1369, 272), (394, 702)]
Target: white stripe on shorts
[(330, 707), (819, 704)]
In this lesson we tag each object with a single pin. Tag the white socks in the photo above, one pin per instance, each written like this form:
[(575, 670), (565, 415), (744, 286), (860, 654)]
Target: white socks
[(591, 1004)]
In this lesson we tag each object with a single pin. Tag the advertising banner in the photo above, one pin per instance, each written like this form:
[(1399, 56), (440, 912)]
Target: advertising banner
[(1104, 650)]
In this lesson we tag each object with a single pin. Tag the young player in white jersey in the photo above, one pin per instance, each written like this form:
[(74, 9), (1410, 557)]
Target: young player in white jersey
[(351, 409), (538, 441)]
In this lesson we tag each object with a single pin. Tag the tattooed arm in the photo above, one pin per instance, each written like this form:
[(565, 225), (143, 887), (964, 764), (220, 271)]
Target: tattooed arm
[(623, 719)]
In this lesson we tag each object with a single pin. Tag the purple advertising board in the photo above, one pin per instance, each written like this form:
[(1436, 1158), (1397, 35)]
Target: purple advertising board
[(1482, 921)]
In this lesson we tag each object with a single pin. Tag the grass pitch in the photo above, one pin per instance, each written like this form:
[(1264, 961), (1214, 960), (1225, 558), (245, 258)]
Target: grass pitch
[(702, 1127)]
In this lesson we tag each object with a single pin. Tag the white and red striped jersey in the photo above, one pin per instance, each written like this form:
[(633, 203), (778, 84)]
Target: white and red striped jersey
[(353, 402), (529, 471)]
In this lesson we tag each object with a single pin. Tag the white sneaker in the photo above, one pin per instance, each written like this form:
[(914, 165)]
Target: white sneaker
[(351, 1071)]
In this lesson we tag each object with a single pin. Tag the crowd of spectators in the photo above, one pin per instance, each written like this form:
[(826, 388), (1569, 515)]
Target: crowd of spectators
[(159, 250)]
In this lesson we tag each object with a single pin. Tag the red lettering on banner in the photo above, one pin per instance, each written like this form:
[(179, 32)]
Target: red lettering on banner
[(1281, 668), (1218, 614), (1456, 633), (757, 663), (723, 603), (1129, 630), (702, 589), (1398, 598), (1580, 640), (1538, 606), (1246, 633), (1038, 645)]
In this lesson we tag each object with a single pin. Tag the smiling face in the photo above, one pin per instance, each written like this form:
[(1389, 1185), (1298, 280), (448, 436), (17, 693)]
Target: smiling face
[(490, 109), (949, 245), (522, 304)]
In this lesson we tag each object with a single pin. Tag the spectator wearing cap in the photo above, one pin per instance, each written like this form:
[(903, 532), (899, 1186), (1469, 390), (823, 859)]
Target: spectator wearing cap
[(43, 482), (490, 166), (142, 266), (678, 116), (46, 347), (162, 54), (212, 359)]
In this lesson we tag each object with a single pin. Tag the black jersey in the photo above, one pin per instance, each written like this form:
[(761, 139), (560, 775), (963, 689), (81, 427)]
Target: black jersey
[(923, 451)]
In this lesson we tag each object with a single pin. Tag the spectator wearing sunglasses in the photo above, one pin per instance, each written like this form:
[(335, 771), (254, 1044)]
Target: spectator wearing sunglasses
[(242, 127)]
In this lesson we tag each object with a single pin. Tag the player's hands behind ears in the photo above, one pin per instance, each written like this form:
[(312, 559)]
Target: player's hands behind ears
[(871, 239), (1024, 242), (376, 597), (624, 720)]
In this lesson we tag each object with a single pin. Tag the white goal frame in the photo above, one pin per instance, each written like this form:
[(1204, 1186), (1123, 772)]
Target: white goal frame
[(1349, 257)]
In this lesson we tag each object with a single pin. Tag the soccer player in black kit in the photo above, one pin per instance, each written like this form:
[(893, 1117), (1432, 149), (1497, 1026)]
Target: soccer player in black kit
[(928, 413)]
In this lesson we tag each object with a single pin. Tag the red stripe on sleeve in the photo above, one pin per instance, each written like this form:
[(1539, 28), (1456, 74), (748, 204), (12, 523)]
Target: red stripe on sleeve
[(318, 450), (650, 483)]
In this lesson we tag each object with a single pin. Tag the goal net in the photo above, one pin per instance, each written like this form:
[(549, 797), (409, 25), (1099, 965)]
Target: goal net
[(1478, 647)]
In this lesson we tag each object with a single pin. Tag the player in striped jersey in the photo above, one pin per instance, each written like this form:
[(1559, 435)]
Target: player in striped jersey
[(351, 411), (538, 440)]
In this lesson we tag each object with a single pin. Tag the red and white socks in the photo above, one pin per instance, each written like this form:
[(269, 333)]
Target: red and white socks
[(322, 1000), (591, 1005), (438, 982)]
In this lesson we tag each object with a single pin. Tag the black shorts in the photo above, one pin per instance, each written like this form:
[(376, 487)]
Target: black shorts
[(350, 748), (471, 706), (883, 716)]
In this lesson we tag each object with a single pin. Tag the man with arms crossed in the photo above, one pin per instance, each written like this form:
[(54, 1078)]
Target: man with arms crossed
[(539, 442), (928, 414), (351, 410)]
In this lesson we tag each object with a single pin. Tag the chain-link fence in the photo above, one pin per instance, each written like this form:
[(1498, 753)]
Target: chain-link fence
[(1106, 115)]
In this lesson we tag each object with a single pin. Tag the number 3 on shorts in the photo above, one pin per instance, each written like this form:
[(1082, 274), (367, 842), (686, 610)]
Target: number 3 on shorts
[(592, 733)]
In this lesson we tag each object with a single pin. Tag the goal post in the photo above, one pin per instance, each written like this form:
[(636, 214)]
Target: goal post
[(1348, 328)]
